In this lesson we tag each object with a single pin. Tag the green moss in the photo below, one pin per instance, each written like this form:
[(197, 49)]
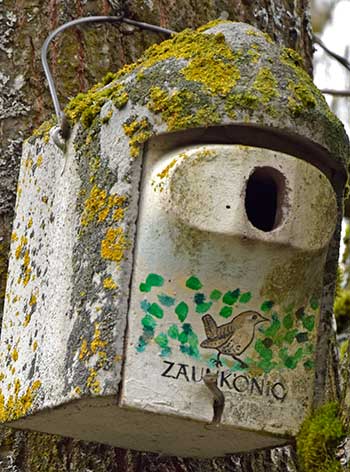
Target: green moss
[(266, 84), (318, 438)]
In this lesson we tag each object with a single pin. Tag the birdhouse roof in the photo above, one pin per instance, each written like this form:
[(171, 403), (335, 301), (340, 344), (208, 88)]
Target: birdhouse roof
[(225, 73)]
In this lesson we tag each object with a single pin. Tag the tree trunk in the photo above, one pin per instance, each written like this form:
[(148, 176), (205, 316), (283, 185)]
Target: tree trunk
[(79, 58)]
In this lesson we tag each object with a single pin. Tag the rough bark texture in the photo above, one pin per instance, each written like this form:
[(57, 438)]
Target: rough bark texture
[(80, 58)]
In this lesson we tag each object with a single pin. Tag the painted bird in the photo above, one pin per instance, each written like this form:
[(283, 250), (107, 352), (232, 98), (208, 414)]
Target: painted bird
[(233, 338)]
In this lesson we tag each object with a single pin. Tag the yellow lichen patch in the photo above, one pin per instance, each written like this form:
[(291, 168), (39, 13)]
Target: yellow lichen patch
[(35, 346), (27, 269), (266, 84), (109, 283), (77, 390), (20, 247), (17, 405), (165, 171), (94, 205), (27, 319), (14, 355), (30, 222), (14, 236), (33, 299), (138, 132), (84, 350), (114, 245), (98, 205), (97, 343), (92, 383), (39, 160), (118, 214), (28, 163)]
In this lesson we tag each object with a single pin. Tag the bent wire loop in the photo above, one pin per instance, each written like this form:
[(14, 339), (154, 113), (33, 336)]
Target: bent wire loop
[(61, 133)]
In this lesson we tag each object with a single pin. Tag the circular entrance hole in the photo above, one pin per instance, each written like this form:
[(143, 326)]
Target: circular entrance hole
[(264, 198)]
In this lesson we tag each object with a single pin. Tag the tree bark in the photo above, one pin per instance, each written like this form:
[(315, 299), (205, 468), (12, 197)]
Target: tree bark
[(79, 58)]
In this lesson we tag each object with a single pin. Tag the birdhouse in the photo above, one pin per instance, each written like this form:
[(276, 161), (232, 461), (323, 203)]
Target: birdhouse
[(170, 272)]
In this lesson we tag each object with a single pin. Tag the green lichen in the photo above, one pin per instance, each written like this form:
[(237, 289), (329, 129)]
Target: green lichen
[(318, 438)]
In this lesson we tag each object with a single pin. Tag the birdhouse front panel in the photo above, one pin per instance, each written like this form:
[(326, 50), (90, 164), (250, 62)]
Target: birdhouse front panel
[(227, 279)]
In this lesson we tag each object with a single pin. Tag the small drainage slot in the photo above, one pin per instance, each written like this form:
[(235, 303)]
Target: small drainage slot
[(264, 198)]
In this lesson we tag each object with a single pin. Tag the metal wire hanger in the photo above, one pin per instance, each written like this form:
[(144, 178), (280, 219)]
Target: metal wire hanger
[(61, 133)]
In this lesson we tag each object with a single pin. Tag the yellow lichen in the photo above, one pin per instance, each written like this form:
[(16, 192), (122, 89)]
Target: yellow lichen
[(77, 390), (27, 319), (109, 283), (98, 205), (39, 160), (35, 346), (33, 299), (16, 405), (14, 236), (92, 383), (165, 171), (30, 222), (139, 132), (97, 342), (114, 245), (266, 84), (20, 247), (84, 351), (14, 355)]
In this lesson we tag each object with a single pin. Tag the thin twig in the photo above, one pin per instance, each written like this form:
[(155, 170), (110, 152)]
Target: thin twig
[(337, 93), (344, 62)]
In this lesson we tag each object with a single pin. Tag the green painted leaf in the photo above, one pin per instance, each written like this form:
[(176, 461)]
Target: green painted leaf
[(156, 310), (266, 306), (162, 340), (271, 331), (264, 352), (314, 303), (145, 287), (148, 322), (183, 337), (309, 322), (194, 283), (288, 321), (165, 351), (154, 280), (245, 297), (173, 332), (166, 300), (215, 295), (182, 311), (203, 307), (290, 335), (226, 311), (231, 297), (309, 364)]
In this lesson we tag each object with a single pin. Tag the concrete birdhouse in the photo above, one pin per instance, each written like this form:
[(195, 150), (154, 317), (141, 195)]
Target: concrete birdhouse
[(167, 273)]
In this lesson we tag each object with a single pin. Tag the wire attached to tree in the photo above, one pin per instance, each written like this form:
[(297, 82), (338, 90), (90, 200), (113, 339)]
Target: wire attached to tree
[(62, 132)]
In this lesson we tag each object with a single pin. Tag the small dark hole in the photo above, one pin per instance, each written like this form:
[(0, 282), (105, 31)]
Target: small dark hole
[(263, 198), (228, 207)]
